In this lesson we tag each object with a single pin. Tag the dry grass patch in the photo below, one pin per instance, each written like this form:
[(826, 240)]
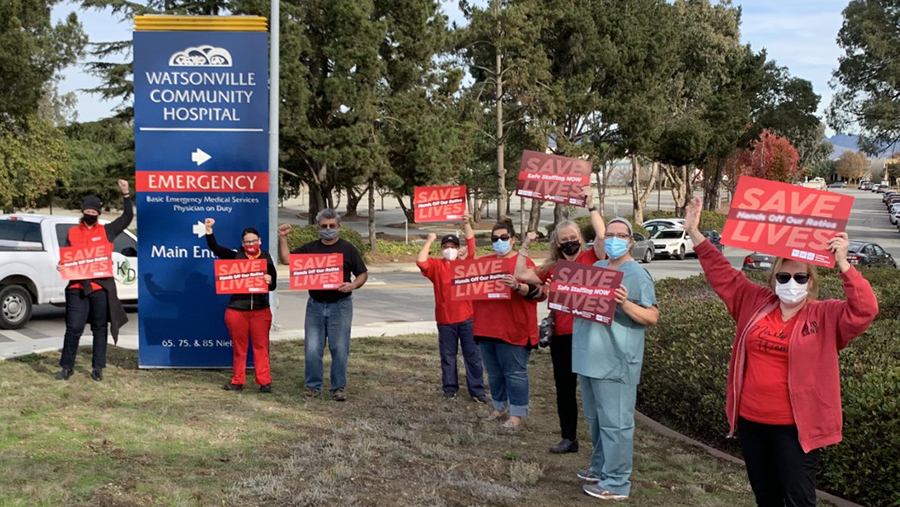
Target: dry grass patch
[(174, 438)]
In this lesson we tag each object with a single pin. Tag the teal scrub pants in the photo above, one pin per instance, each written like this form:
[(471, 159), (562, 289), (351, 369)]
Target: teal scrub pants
[(609, 410)]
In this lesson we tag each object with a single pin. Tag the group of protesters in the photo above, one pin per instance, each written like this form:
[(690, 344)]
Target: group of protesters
[(783, 396)]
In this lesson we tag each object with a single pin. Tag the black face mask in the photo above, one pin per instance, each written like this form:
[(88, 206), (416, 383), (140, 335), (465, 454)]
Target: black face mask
[(570, 247), (89, 219)]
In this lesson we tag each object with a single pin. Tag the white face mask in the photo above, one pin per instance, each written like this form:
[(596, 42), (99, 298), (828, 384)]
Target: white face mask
[(450, 254), (791, 292)]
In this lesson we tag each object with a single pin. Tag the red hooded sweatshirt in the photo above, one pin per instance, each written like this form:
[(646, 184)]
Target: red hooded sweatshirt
[(823, 328)]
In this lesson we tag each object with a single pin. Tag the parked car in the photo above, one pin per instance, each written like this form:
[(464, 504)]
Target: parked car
[(869, 254), (862, 184), (887, 194), (816, 183), (883, 189), (29, 254), (892, 200), (894, 215), (758, 262), (658, 224), (837, 184), (673, 243), (642, 251), (715, 238), (875, 187)]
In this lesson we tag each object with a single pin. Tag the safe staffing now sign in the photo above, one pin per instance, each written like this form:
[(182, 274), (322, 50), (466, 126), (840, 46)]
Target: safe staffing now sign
[(553, 178), (786, 220), (584, 291)]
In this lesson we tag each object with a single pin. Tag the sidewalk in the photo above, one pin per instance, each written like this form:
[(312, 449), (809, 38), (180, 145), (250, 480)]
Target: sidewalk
[(284, 271)]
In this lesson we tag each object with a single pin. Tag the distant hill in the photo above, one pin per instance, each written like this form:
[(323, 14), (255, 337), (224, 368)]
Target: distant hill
[(845, 142)]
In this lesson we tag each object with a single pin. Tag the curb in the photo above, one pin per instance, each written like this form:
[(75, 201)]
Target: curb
[(668, 432)]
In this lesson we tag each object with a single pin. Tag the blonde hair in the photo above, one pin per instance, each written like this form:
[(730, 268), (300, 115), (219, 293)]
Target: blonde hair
[(813, 283), (555, 254)]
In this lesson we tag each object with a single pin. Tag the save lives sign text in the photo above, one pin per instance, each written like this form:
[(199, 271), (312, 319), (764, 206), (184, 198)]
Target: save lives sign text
[(587, 292), (785, 220), (201, 151), (439, 204), (241, 276), (480, 279), (317, 271), (85, 263), (553, 178)]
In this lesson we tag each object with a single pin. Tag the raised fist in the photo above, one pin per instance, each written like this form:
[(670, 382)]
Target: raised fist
[(284, 230), (431, 237), (123, 185), (210, 222), (530, 238)]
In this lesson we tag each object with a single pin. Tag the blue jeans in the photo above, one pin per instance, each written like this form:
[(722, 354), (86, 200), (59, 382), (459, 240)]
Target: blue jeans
[(609, 410), (507, 370), (449, 336), (331, 322)]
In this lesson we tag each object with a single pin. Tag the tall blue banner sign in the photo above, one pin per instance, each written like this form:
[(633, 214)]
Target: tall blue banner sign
[(201, 151)]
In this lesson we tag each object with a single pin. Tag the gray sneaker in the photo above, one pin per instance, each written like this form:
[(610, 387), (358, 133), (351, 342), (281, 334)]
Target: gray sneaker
[(587, 476), (603, 494)]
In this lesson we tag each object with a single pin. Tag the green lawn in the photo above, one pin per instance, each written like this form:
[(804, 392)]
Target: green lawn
[(174, 437)]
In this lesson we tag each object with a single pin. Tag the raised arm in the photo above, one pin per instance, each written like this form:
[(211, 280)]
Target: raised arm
[(523, 272), (596, 222), (118, 225), (220, 251), (856, 314), (730, 284), (284, 254), (422, 256)]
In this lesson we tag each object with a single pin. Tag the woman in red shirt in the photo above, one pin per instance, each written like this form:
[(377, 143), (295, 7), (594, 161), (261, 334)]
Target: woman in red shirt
[(565, 243), (784, 392)]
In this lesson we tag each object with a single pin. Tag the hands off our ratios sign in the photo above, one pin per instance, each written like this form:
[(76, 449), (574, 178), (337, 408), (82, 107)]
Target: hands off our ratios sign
[(241, 276), (584, 291), (317, 271), (85, 263), (480, 279), (439, 204)]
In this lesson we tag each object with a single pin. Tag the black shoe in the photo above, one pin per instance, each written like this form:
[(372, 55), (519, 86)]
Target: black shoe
[(266, 388), (64, 374), (233, 387), (564, 446), (338, 395), (480, 399), (97, 374), (449, 396)]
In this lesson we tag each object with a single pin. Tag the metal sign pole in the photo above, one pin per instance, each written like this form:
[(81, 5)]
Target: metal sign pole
[(274, 98)]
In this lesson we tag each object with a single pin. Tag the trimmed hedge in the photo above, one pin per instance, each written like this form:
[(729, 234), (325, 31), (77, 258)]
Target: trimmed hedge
[(685, 373), (302, 235)]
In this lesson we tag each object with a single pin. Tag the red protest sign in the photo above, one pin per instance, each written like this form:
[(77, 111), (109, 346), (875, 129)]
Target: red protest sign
[(786, 220), (439, 204), (480, 279), (553, 178), (241, 276), (317, 271), (585, 291), (85, 263)]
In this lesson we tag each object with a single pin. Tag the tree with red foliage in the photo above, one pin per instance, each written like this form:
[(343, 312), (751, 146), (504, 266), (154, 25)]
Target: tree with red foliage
[(770, 157)]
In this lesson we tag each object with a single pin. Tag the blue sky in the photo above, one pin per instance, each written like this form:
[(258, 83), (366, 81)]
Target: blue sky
[(799, 34)]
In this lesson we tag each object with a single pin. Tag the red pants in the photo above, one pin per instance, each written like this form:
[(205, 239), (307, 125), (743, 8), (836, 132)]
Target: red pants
[(254, 324)]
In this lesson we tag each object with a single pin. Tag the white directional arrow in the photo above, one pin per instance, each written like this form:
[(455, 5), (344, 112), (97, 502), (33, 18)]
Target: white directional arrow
[(199, 229), (200, 156)]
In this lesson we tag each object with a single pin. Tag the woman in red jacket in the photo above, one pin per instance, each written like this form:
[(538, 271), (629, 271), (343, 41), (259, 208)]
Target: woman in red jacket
[(784, 393)]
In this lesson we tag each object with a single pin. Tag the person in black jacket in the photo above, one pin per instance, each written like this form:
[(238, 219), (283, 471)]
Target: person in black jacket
[(94, 301), (247, 314)]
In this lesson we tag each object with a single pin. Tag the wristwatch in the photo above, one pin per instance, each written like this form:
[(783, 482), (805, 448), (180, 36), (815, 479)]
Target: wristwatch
[(592, 209), (518, 286)]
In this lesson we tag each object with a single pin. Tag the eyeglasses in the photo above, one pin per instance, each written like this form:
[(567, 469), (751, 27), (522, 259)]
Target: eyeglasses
[(800, 278), (252, 242), (328, 226), (621, 235), (504, 237)]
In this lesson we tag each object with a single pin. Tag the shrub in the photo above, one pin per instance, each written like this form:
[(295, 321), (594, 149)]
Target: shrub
[(302, 235), (686, 364)]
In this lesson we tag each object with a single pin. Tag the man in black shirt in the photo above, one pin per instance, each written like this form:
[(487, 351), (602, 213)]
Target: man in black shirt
[(329, 313)]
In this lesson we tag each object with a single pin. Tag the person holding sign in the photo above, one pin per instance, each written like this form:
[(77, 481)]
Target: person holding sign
[(506, 331), (454, 317), (329, 313), (247, 315), (784, 392), (607, 359), (93, 300), (565, 243)]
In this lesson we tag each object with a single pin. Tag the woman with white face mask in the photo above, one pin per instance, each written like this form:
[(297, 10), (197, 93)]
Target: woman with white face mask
[(454, 318), (784, 393)]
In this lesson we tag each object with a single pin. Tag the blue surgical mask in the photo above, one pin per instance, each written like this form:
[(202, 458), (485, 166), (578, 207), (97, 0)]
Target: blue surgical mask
[(328, 234), (502, 247), (616, 247)]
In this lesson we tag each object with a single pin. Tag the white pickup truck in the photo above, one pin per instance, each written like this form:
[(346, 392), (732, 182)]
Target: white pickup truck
[(29, 253)]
